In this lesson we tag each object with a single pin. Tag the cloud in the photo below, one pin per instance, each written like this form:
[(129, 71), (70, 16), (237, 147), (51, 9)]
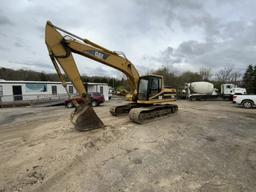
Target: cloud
[(193, 48), (181, 34), (31, 64), (18, 44), (221, 40), (4, 20), (2, 48)]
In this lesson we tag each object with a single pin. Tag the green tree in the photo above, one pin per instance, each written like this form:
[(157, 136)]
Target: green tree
[(254, 79), (249, 79), (43, 76), (170, 79)]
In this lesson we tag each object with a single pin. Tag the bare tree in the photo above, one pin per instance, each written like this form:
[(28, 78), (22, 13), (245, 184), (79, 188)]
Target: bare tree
[(205, 73), (235, 76), (225, 75)]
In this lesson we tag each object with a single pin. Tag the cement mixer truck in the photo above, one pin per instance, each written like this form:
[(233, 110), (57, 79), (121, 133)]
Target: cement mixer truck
[(200, 90), (203, 90)]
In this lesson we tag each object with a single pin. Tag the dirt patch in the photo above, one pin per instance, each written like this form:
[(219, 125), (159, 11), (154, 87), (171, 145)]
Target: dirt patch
[(206, 146)]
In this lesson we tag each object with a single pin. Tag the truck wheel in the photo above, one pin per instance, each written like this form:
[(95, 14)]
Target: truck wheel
[(69, 105), (247, 104), (94, 103)]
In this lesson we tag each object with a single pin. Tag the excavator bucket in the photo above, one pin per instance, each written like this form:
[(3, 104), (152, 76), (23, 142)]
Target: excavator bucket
[(84, 118)]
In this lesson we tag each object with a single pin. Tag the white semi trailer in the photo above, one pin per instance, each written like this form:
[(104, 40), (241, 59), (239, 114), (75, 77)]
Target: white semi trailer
[(203, 90)]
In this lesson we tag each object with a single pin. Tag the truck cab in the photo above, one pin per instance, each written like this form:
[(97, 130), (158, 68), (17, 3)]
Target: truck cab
[(238, 91), (230, 89)]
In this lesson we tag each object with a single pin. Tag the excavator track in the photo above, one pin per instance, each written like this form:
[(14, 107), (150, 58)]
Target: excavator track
[(143, 114), (123, 109)]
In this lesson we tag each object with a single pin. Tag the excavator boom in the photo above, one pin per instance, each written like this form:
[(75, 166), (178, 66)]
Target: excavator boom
[(60, 50), (64, 46)]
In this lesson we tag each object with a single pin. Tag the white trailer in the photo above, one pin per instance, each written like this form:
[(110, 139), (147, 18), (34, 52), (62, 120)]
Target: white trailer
[(21, 91), (102, 88), (32, 90)]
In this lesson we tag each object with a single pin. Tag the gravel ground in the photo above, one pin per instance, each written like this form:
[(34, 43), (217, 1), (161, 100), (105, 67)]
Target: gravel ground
[(206, 146)]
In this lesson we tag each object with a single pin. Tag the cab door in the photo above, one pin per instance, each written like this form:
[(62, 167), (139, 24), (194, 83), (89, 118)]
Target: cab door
[(149, 86), (143, 89), (155, 86)]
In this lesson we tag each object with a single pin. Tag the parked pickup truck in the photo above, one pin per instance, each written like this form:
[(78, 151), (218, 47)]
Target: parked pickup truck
[(96, 98), (247, 101)]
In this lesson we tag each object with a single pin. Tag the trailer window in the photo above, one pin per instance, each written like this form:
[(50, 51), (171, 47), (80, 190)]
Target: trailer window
[(36, 87), (54, 90), (1, 90), (70, 89)]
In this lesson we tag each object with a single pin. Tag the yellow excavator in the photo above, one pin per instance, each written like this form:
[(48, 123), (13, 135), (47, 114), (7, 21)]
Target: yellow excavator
[(149, 98)]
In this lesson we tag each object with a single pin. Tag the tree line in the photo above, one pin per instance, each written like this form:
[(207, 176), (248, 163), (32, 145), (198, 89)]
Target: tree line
[(29, 75), (225, 75), (249, 79)]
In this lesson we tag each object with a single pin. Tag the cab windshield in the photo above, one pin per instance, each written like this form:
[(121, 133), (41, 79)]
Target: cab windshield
[(143, 89)]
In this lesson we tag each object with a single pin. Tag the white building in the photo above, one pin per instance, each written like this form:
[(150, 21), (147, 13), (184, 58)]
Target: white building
[(36, 90), (102, 88)]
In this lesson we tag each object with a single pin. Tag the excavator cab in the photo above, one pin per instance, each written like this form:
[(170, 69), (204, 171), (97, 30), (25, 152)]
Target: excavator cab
[(149, 86)]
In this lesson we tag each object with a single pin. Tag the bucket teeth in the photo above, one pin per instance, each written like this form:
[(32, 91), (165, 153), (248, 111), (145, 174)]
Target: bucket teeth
[(84, 118)]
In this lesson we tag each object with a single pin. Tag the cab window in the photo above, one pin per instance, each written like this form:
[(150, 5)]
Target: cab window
[(155, 86), (143, 89)]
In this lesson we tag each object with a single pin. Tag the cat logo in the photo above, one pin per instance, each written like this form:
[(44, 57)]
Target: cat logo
[(97, 54)]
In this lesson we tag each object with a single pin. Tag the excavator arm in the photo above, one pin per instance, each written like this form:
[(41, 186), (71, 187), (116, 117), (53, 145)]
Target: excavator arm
[(61, 49)]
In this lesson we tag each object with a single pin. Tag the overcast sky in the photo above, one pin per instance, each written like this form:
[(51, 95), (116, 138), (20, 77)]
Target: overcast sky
[(180, 34)]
